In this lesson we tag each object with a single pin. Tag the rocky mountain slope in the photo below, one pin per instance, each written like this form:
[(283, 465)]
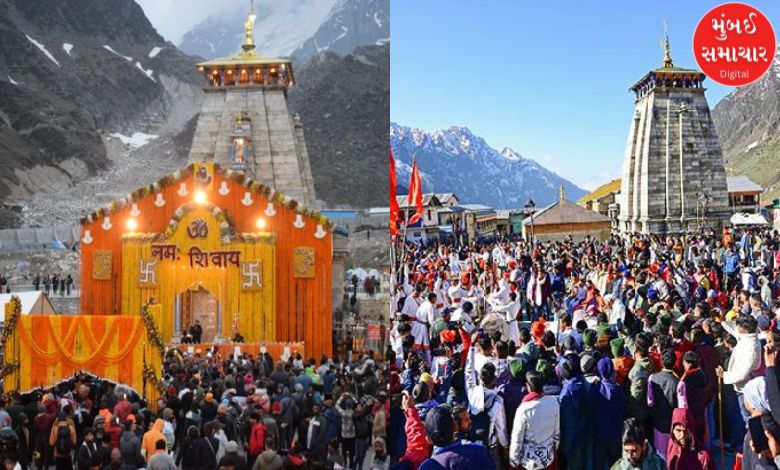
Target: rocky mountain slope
[(748, 124), (281, 27), (351, 23), (344, 104), (455, 160), (72, 72)]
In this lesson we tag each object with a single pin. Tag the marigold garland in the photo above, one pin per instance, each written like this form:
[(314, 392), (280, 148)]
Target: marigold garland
[(15, 305), (151, 330)]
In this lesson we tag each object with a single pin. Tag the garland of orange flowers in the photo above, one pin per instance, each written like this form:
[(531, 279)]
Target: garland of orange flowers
[(15, 306), (152, 331)]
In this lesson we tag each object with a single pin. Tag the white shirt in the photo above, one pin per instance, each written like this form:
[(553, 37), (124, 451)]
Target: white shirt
[(617, 312), (477, 394), (502, 294), (535, 433), (426, 313), (456, 293), (411, 304)]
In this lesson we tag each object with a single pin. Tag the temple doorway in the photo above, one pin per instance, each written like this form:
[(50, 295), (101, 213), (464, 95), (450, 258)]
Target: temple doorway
[(198, 304)]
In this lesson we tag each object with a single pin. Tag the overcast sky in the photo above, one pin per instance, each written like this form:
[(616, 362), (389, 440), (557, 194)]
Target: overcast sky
[(173, 18)]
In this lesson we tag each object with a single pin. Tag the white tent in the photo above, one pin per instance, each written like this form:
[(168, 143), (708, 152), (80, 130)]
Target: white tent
[(34, 302), (743, 218)]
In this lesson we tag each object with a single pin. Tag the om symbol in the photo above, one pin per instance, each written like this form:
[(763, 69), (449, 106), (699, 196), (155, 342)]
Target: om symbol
[(198, 229)]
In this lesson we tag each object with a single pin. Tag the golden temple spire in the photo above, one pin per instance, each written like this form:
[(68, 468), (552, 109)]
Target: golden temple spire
[(248, 46), (667, 49)]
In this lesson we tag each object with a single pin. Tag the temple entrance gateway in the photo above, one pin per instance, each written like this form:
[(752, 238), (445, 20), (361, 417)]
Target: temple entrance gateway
[(199, 304), (201, 268)]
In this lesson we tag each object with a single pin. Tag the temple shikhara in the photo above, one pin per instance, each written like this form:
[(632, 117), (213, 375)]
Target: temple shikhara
[(245, 124), (674, 178), (231, 241)]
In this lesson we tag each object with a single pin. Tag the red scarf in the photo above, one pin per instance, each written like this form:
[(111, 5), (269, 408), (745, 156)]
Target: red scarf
[(532, 396), (689, 372)]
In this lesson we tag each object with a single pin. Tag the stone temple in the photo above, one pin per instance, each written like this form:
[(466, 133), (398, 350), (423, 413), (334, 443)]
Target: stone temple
[(674, 178), (245, 123)]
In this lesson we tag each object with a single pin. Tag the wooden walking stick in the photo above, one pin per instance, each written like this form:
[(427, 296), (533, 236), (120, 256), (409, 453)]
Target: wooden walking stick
[(720, 420)]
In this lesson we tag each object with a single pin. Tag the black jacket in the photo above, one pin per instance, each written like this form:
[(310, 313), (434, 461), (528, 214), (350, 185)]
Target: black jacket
[(232, 459), (186, 457), (87, 456), (206, 452)]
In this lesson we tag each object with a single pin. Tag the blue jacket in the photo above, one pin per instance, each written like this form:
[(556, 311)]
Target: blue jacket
[(730, 262), (575, 414), (424, 408), (514, 391), (610, 411), (334, 424), (457, 456)]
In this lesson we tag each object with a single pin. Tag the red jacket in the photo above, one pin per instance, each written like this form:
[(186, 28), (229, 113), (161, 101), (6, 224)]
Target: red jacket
[(257, 439), (417, 447), (122, 410), (693, 457), (115, 431)]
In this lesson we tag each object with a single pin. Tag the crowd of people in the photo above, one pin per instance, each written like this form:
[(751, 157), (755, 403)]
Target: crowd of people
[(639, 352), (227, 413)]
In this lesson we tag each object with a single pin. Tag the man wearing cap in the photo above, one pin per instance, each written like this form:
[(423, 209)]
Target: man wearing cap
[(450, 453)]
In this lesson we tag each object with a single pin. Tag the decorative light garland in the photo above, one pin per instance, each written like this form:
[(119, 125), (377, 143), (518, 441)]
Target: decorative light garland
[(238, 177)]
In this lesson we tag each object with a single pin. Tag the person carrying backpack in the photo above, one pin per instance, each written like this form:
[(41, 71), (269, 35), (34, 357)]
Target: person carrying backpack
[(486, 407), (63, 440)]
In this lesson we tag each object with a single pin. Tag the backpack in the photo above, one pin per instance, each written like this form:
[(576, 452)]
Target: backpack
[(63, 444), (480, 424)]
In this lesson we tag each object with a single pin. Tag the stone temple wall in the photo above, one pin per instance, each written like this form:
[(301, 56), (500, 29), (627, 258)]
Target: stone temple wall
[(653, 203), (280, 157)]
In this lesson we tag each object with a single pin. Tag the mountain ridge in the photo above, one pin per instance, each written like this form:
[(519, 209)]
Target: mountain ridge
[(449, 159), (747, 121)]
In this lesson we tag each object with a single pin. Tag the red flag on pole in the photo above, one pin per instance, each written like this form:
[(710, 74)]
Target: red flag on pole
[(415, 197), (394, 211)]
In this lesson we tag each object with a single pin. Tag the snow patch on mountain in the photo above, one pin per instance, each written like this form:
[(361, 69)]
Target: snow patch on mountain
[(67, 47), (109, 49), (350, 23), (13, 82), (153, 53), (138, 139), (146, 72), (378, 20), (43, 49), (510, 154)]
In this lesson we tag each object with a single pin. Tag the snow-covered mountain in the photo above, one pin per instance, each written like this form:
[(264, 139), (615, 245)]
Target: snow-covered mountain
[(455, 160), (281, 27), (351, 23)]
